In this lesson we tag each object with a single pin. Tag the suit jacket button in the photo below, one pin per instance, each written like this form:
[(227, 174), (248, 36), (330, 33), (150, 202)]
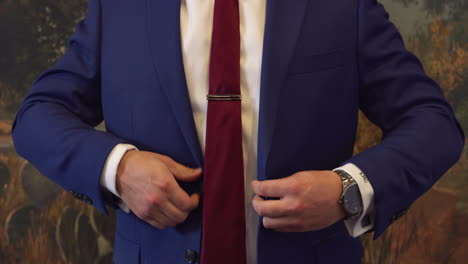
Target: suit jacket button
[(191, 256)]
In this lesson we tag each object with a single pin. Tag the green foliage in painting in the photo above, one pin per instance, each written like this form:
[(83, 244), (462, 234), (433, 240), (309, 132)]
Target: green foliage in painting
[(34, 36)]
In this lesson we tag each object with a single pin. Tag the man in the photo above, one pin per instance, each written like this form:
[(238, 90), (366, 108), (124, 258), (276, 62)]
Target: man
[(174, 80)]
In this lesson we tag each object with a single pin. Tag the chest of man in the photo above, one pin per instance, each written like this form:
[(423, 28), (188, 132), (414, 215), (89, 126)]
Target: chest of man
[(307, 98)]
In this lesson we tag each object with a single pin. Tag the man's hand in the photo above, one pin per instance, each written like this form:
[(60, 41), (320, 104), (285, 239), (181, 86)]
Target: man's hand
[(309, 201), (146, 182)]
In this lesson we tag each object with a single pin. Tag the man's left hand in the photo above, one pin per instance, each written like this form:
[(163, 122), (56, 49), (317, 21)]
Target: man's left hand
[(308, 201)]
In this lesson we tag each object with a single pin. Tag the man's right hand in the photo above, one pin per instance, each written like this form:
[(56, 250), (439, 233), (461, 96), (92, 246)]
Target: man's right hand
[(146, 182)]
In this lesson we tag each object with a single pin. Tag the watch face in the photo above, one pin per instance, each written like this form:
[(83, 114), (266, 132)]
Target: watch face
[(352, 200)]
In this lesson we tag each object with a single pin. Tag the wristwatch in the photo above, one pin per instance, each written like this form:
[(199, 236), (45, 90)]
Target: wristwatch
[(350, 199)]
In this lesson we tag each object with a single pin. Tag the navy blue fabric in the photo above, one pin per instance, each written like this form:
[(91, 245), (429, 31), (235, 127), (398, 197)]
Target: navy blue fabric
[(323, 60)]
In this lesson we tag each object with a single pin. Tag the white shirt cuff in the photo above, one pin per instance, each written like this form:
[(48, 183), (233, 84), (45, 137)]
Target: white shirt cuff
[(365, 221), (109, 172)]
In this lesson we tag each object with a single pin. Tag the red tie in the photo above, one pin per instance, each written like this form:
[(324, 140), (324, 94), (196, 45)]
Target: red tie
[(223, 229)]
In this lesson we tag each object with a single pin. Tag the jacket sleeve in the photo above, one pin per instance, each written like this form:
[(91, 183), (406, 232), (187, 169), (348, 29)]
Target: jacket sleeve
[(421, 137), (54, 127)]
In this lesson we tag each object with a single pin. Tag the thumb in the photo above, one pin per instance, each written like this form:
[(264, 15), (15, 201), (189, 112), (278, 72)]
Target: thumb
[(180, 172), (184, 173)]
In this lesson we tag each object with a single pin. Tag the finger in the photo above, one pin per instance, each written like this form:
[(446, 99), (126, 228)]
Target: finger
[(181, 172), (271, 188), (280, 223), (182, 200), (154, 223), (187, 174), (159, 216), (270, 208), (172, 190), (160, 210), (151, 219), (173, 213), (195, 200)]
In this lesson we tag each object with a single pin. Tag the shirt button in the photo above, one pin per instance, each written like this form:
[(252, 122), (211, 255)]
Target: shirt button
[(191, 256)]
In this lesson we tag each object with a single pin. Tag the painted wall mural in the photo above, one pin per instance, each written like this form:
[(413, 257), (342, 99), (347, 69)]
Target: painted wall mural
[(41, 223)]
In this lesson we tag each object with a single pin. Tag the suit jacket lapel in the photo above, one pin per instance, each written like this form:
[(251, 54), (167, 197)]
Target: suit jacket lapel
[(282, 29), (163, 30)]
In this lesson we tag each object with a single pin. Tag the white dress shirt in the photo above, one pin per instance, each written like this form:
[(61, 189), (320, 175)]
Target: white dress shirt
[(196, 19)]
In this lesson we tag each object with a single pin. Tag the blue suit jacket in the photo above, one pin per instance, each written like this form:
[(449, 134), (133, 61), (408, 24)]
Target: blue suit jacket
[(322, 61)]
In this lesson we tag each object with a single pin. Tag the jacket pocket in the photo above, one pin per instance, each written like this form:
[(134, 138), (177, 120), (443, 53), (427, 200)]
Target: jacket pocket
[(125, 251), (304, 64)]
